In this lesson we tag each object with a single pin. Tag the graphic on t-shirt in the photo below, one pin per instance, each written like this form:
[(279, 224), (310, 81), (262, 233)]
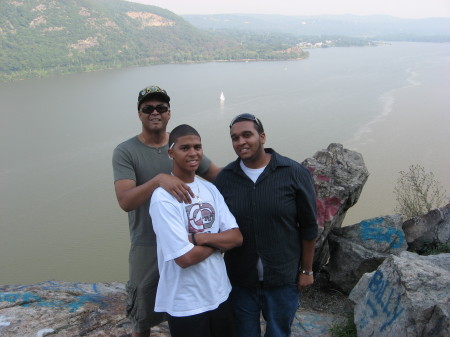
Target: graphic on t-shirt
[(200, 218)]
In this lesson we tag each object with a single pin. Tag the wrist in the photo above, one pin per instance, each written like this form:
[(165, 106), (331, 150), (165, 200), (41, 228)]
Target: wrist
[(306, 272), (157, 180), (194, 241)]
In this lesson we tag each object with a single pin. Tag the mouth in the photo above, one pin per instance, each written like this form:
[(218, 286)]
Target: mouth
[(193, 162), (244, 150), (155, 119)]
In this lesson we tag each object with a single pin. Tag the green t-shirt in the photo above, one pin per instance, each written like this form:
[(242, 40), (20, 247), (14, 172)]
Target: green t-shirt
[(136, 161)]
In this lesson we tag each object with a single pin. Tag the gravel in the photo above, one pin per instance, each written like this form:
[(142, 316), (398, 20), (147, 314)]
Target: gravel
[(323, 297)]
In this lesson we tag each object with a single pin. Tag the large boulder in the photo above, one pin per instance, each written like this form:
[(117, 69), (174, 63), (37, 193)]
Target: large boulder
[(64, 309), (339, 176), (361, 248), (429, 229), (407, 296)]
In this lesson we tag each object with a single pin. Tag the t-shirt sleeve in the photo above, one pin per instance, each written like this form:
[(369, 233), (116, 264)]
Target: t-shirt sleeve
[(171, 233), (122, 165)]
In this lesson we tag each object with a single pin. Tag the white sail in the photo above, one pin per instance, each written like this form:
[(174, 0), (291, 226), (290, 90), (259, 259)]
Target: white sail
[(222, 97)]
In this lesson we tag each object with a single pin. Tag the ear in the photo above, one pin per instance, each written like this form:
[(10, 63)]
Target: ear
[(262, 135), (170, 153)]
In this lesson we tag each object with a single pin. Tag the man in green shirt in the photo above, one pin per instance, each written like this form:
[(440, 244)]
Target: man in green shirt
[(140, 165)]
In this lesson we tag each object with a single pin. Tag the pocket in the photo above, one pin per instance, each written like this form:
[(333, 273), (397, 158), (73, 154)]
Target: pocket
[(131, 299)]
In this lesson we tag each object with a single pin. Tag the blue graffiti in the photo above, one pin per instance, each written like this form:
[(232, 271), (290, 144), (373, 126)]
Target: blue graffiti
[(27, 299), (371, 231), (19, 297), (389, 305)]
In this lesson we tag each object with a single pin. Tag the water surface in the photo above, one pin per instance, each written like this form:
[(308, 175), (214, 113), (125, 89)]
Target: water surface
[(59, 218)]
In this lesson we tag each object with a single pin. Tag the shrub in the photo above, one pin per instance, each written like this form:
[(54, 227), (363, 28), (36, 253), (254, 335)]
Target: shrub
[(417, 192), (436, 249)]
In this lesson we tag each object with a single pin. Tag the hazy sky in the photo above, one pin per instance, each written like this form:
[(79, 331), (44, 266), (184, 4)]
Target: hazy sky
[(398, 8)]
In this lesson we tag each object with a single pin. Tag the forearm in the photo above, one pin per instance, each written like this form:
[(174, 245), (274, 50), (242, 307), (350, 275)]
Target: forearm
[(194, 256), (131, 197), (306, 279), (308, 247), (212, 173), (223, 241)]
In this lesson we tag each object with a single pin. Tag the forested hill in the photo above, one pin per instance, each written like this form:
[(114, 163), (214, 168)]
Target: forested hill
[(40, 37)]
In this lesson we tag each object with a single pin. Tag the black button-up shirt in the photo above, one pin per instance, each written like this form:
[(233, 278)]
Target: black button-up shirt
[(274, 215)]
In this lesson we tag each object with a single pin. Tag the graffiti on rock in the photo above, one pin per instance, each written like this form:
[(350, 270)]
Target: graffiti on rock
[(80, 294), (371, 230), (382, 300)]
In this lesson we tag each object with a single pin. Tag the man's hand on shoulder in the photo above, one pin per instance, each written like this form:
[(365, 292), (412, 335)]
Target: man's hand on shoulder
[(176, 187)]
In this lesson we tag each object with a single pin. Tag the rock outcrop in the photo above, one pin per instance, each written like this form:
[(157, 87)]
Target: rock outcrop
[(429, 229), (361, 248), (65, 309), (407, 296), (339, 176)]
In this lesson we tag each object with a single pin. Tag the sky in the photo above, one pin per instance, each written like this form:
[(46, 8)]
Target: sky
[(397, 8)]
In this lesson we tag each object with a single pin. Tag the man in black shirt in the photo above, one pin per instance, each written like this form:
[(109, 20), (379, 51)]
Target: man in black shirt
[(274, 202)]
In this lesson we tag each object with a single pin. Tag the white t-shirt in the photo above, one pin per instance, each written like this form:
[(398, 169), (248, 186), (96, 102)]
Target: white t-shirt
[(205, 285)]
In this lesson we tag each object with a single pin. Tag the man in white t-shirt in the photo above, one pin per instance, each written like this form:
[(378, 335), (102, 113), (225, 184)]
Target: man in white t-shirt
[(194, 287)]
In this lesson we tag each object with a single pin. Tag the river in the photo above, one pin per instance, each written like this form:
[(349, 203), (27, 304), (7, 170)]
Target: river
[(59, 218)]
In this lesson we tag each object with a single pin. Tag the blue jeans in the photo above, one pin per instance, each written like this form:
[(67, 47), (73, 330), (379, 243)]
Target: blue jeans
[(278, 306)]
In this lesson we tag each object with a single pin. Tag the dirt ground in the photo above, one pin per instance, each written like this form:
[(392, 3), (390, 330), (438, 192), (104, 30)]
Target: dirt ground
[(323, 297)]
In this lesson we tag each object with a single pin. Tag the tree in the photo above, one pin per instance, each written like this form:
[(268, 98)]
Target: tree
[(417, 192)]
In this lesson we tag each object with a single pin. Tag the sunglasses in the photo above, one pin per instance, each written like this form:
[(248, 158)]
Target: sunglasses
[(148, 109), (248, 117)]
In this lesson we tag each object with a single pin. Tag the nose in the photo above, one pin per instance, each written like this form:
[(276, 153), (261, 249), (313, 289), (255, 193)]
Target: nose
[(241, 141), (192, 151)]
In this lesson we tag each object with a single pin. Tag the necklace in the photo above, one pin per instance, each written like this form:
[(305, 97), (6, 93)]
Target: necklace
[(199, 201)]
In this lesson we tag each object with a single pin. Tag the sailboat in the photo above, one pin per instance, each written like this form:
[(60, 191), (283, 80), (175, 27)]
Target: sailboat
[(222, 97)]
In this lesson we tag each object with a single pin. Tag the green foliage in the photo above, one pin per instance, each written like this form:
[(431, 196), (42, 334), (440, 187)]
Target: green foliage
[(436, 249), (41, 37), (417, 192), (346, 329)]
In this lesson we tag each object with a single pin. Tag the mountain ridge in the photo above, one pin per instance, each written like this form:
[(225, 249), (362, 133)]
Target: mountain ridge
[(43, 37), (378, 27), (40, 37)]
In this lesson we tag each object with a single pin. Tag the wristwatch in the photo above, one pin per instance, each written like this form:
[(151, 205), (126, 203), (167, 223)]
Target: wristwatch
[(307, 272)]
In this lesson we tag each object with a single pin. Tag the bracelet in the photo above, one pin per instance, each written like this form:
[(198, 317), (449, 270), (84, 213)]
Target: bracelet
[(193, 239), (307, 272)]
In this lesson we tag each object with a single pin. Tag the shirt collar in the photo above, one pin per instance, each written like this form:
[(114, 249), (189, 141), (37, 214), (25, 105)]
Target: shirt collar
[(276, 161)]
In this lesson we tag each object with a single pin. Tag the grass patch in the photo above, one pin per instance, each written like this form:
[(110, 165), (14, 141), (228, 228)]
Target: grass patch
[(345, 329), (436, 249)]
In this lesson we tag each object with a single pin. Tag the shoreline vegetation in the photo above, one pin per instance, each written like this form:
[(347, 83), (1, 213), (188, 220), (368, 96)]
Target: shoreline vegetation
[(42, 38), (44, 73)]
